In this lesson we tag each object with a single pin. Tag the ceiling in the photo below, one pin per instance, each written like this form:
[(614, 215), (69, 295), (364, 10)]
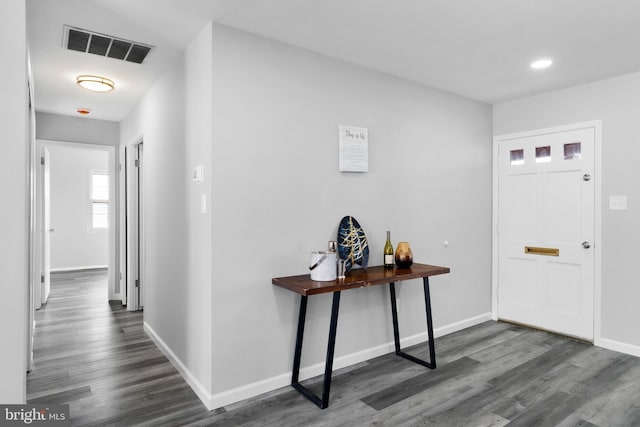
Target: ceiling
[(478, 49)]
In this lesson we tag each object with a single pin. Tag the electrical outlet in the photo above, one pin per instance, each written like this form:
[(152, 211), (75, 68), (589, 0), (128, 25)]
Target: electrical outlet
[(617, 203)]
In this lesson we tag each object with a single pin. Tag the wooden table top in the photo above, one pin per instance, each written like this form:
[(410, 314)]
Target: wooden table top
[(357, 278)]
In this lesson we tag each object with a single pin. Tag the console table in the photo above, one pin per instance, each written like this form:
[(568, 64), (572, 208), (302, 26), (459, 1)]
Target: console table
[(357, 278)]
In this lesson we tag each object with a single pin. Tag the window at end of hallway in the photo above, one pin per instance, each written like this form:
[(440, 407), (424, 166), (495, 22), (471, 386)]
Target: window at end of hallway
[(99, 198)]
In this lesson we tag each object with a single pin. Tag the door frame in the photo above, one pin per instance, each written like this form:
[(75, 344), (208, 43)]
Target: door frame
[(42, 283), (596, 125), (113, 234), (132, 199)]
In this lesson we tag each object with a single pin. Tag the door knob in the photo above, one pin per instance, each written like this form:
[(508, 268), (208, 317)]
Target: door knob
[(586, 245)]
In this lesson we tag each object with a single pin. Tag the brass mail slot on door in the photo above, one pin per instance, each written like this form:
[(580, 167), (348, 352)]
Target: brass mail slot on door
[(541, 251)]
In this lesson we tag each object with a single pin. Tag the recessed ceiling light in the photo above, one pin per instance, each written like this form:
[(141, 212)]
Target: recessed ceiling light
[(95, 83), (541, 63), (83, 111)]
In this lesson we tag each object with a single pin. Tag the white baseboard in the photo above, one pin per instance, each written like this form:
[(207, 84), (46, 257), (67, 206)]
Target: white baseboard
[(621, 347), (244, 392), (269, 384), (198, 388), (85, 267)]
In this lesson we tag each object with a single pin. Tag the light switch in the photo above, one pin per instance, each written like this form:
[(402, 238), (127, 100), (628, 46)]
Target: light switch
[(203, 203), (198, 174), (617, 203)]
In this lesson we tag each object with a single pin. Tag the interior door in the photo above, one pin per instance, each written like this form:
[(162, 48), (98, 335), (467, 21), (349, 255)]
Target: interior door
[(135, 227), (46, 225), (546, 227), (123, 212)]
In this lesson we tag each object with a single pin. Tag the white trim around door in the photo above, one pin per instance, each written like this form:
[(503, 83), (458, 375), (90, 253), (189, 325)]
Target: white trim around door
[(113, 233)]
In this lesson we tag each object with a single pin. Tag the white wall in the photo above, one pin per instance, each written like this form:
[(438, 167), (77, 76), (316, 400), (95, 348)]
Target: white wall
[(74, 244), (14, 214), (174, 119), (56, 127), (277, 195), (617, 102), (198, 131), (264, 123)]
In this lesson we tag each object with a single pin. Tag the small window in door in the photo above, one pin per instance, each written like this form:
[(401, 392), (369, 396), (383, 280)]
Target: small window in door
[(543, 154), (572, 151), (517, 157), (99, 199)]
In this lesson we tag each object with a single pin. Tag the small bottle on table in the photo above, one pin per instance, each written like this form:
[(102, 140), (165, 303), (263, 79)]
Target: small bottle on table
[(388, 253)]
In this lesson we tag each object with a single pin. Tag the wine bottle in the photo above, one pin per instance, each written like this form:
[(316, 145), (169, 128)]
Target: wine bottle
[(388, 252)]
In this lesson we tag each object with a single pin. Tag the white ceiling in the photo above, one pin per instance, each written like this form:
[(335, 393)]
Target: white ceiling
[(478, 49)]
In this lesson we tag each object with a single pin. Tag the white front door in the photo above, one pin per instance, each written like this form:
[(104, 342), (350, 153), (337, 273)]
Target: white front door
[(546, 231)]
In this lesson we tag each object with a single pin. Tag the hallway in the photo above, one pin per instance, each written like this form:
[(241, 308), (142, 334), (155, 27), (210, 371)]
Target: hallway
[(95, 356)]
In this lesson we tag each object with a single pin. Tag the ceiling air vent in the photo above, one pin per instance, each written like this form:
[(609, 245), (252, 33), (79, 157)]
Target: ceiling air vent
[(103, 45)]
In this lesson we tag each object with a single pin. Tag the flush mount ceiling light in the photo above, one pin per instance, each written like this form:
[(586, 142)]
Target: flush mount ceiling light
[(541, 64), (95, 83)]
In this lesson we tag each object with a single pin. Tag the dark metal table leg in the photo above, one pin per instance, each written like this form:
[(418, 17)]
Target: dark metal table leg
[(394, 316), (328, 369), (331, 345), (396, 334), (427, 304), (298, 351)]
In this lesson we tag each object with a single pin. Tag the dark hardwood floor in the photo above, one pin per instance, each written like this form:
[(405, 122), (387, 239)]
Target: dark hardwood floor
[(95, 357)]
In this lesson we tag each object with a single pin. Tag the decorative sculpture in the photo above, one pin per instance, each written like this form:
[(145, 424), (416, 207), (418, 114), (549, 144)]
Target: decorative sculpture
[(352, 243)]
